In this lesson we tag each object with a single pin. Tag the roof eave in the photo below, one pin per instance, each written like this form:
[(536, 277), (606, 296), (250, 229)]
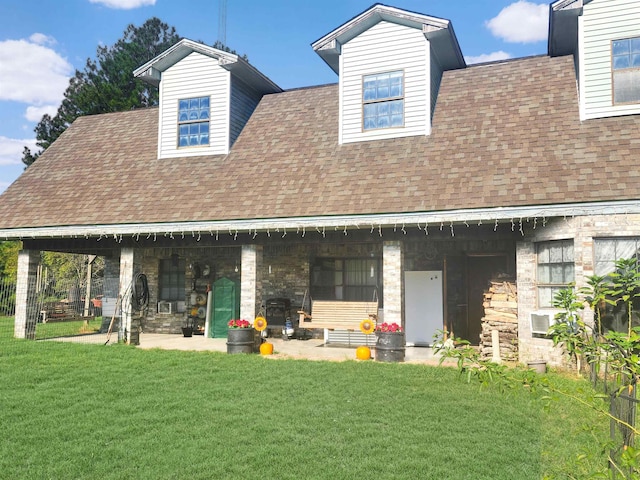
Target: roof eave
[(492, 215), (435, 29), (151, 72)]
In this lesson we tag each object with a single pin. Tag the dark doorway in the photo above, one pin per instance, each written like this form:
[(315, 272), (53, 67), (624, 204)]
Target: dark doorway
[(481, 269)]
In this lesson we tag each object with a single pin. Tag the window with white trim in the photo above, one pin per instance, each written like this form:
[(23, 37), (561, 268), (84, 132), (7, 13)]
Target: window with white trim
[(383, 100), (625, 64), (555, 269), (193, 122)]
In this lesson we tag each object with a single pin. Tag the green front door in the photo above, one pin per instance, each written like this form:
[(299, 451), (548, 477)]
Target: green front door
[(225, 306)]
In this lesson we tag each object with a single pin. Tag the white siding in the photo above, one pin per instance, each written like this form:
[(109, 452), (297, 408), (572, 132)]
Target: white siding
[(194, 76), (243, 102), (436, 78), (385, 47), (601, 22)]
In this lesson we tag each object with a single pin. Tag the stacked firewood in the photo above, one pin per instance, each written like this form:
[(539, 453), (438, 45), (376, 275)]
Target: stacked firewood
[(501, 314)]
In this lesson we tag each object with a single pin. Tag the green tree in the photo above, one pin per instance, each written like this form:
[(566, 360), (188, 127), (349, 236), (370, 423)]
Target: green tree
[(9, 260), (107, 84)]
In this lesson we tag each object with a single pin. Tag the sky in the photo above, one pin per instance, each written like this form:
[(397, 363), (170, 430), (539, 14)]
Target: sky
[(43, 42)]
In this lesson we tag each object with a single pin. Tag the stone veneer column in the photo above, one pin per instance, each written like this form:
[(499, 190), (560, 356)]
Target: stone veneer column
[(251, 281), (392, 264), (26, 305)]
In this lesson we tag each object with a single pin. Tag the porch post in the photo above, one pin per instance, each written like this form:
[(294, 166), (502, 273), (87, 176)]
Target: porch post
[(251, 281), (26, 305), (124, 293), (392, 265)]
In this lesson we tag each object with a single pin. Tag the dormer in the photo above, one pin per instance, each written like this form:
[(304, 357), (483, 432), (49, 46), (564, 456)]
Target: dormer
[(389, 64), (206, 97), (604, 37)]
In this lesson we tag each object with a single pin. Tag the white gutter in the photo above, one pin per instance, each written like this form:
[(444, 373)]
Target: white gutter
[(535, 215)]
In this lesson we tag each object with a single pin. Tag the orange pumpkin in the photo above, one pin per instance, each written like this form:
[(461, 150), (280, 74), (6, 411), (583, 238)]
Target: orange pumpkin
[(363, 353), (266, 348)]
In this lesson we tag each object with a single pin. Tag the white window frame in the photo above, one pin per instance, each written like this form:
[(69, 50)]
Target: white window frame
[(379, 101), (625, 68), (190, 123)]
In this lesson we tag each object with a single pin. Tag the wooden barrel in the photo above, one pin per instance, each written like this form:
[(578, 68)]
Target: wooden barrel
[(390, 347), (240, 340)]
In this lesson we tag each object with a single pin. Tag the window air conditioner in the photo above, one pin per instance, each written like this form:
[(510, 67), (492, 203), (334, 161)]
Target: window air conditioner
[(167, 307), (541, 321)]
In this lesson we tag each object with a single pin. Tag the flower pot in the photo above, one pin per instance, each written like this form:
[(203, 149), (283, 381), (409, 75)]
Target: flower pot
[(187, 331), (390, 347), (240, 340)]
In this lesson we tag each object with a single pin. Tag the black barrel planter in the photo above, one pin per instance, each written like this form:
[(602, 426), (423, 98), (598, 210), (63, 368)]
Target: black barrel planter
[(390, 347), (240, 340)]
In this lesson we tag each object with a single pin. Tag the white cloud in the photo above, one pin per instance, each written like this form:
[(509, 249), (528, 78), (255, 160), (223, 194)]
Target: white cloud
[(34, 114), (11, 150), (487, 57), (124, 4), (42, 39), (521, 22), (32, 73)]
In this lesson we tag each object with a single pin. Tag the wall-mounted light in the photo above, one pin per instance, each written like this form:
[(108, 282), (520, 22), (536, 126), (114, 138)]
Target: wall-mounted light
[(373, 272), (269, 269)]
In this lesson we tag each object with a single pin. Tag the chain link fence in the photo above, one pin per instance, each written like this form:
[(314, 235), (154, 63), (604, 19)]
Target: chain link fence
[(66, 309)]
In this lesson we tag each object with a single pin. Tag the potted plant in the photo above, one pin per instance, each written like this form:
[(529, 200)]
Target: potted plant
[(187, 330), (240, 336), (390, 342)]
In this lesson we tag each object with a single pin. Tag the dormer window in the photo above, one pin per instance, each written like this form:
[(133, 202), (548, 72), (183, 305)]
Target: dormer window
[(383, 100), (193, 122), (626, 70)]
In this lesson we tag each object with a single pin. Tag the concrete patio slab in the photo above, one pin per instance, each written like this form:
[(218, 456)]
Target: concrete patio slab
[(312, 349)]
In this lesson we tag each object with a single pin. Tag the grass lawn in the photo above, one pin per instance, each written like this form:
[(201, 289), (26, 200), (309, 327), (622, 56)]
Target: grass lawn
[(67, 328), (78, 411)]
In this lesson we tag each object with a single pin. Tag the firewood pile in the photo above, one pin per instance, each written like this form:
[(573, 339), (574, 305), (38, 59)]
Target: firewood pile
[(501, 314)]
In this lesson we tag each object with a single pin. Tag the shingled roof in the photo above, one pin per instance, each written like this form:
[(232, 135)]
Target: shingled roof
[(504, 134)]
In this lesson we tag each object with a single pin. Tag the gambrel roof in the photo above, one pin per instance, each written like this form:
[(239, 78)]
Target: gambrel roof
[(505, 134)]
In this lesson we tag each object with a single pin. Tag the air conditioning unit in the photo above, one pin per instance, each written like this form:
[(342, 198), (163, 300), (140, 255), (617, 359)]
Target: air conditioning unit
[(541, 321), (167, 307)]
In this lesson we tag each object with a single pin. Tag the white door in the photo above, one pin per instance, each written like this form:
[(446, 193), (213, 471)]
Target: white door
[(422, 306)]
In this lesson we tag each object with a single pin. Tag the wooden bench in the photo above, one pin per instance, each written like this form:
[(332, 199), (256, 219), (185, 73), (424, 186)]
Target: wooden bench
[(58, 312), (338, 315)]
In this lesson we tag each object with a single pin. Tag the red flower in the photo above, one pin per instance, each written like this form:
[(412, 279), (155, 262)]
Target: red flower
[(238, 323), (386, 327)]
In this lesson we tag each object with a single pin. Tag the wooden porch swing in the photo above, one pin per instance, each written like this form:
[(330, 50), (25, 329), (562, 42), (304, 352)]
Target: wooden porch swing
[(337, 314)]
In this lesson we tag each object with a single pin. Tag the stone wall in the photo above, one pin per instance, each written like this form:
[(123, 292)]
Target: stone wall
[(583, 231)]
